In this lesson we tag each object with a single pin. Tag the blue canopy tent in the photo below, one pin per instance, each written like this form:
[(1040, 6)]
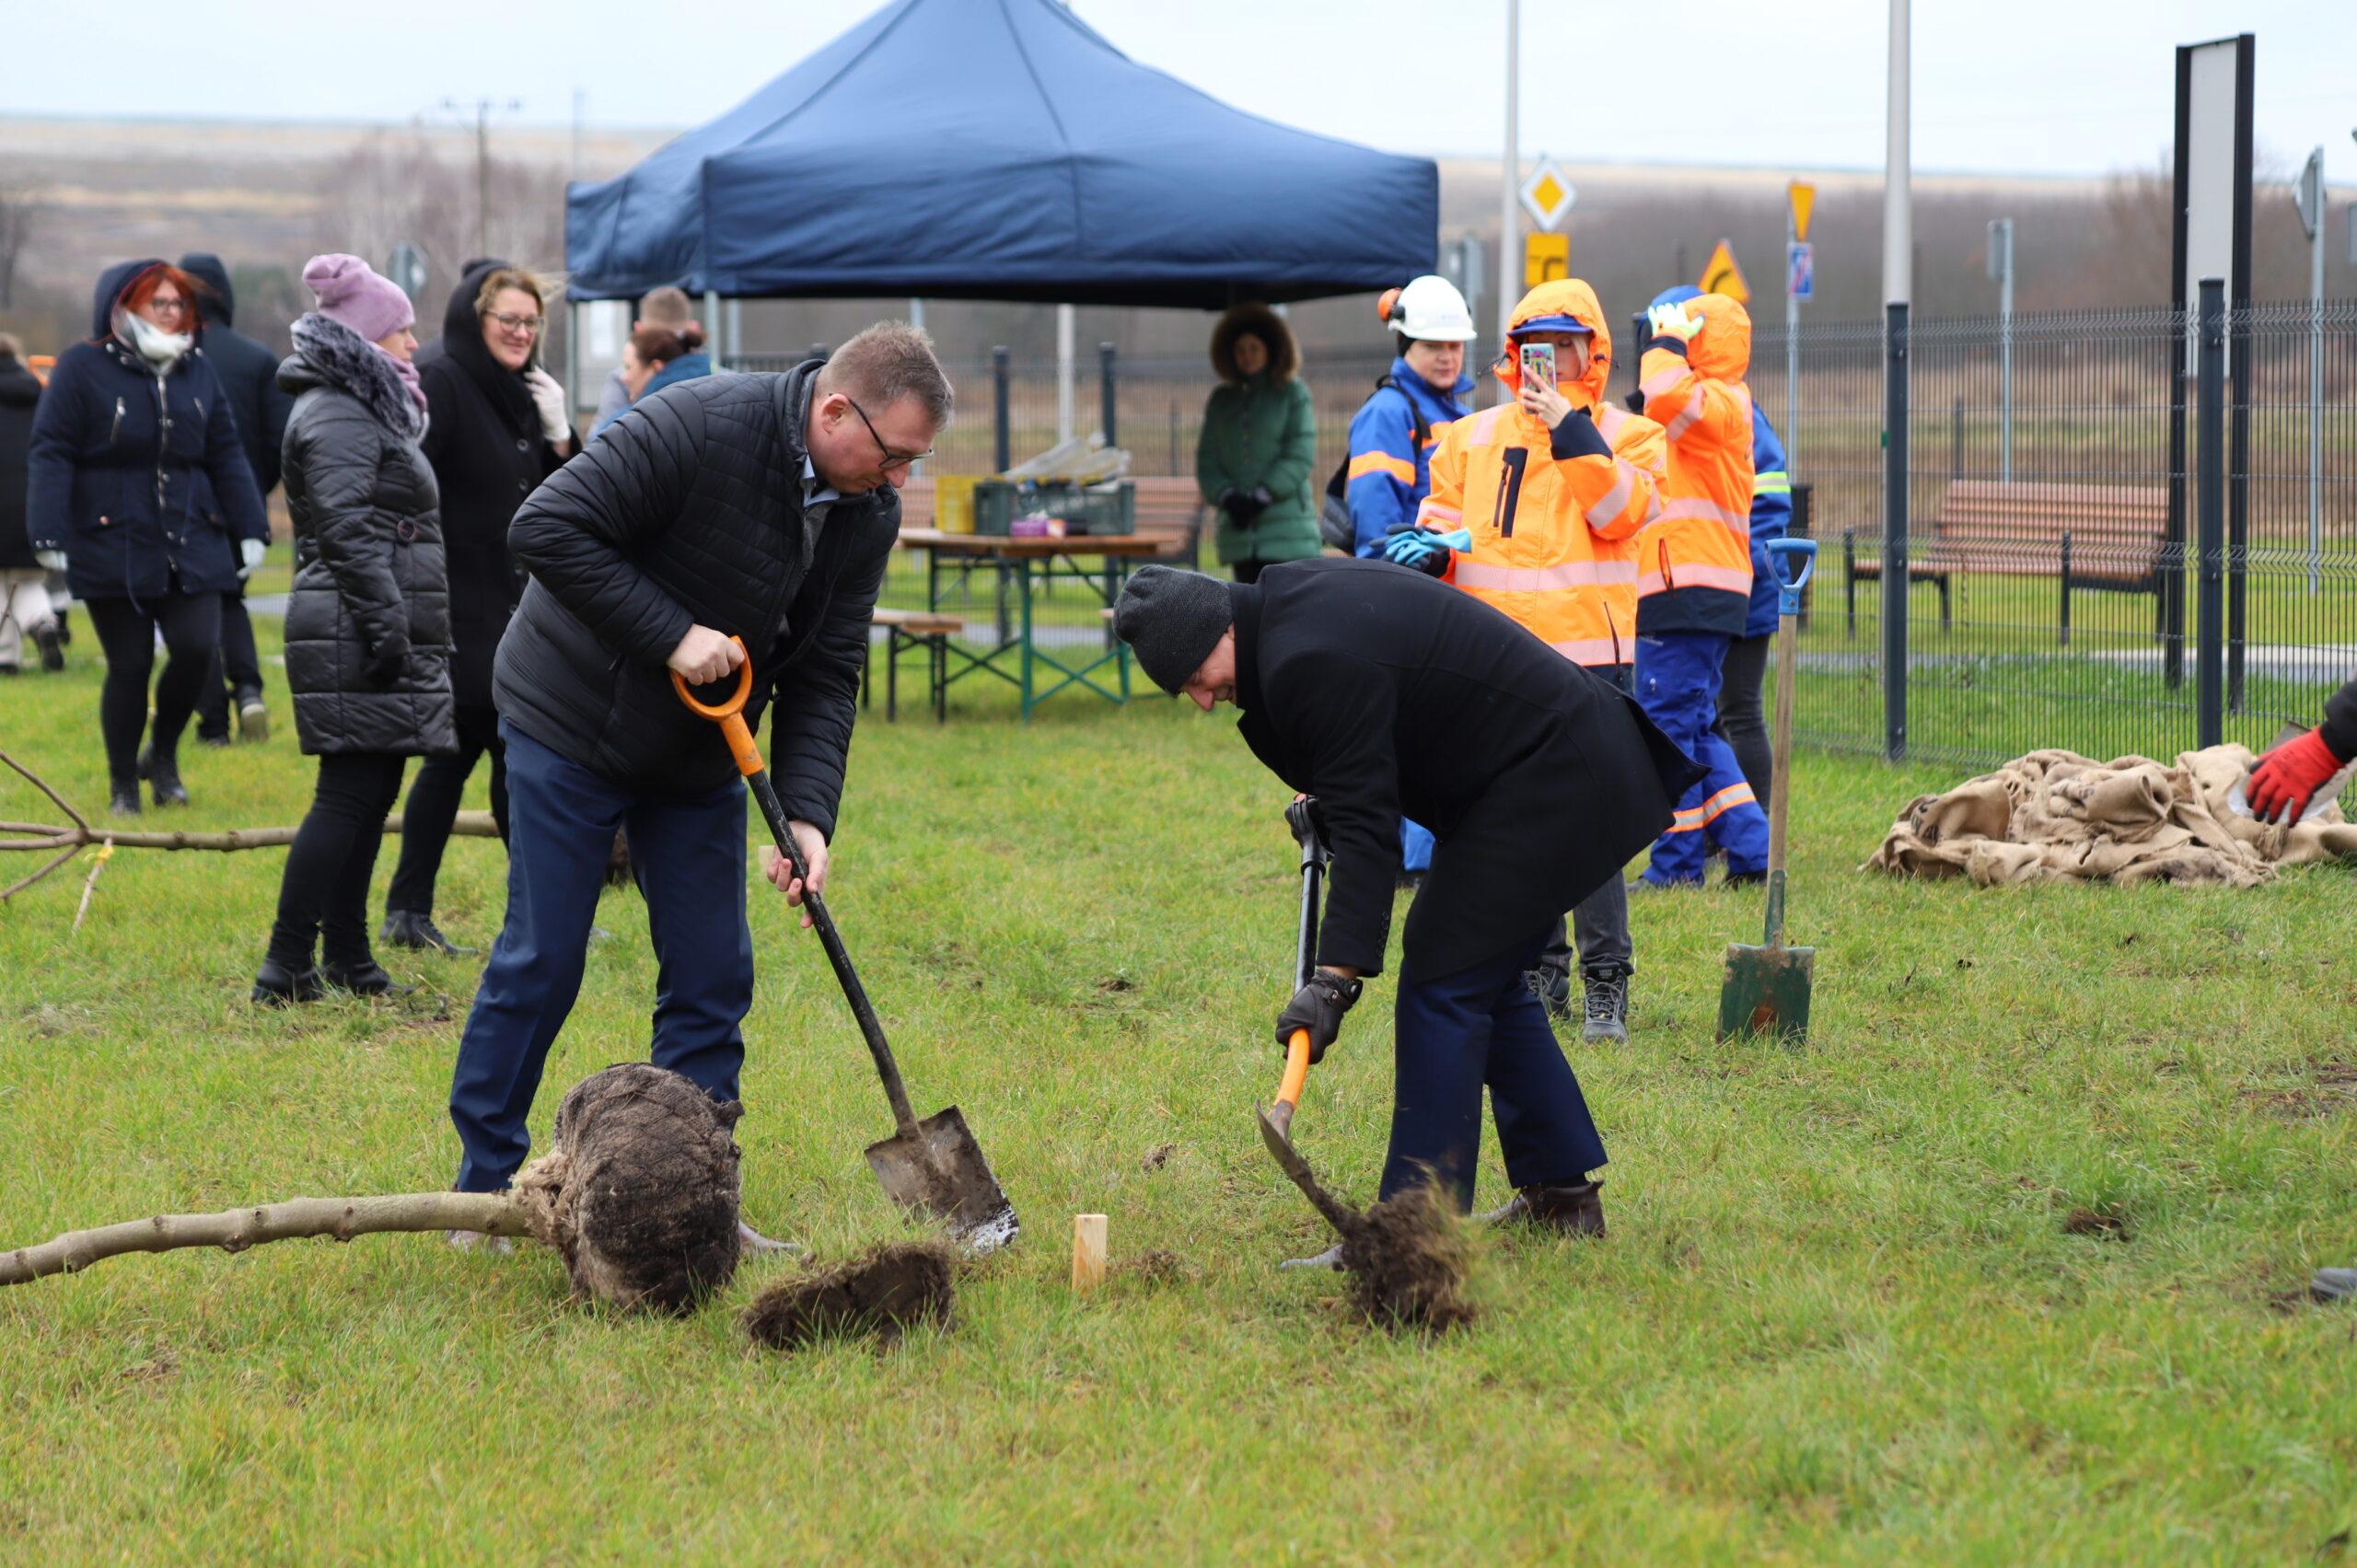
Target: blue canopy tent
[(999, 149)]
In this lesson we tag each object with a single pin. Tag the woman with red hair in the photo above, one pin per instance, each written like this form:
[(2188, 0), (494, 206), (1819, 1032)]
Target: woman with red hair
[(138, 490)]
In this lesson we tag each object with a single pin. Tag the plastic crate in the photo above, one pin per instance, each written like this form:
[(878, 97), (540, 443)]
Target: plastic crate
[(1083, 510)]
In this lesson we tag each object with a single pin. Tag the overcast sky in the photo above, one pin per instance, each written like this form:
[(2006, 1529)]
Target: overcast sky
[(2019, 86)]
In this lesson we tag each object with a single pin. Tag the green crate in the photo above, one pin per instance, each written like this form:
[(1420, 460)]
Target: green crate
[(1085, 510)]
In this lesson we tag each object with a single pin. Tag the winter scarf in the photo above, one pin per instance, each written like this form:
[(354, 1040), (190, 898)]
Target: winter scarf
[(387, 387), (162, 350)]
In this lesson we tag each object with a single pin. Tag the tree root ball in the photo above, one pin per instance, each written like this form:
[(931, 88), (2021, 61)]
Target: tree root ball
[(1406, 1260), (884, 1292), (640, 1190)]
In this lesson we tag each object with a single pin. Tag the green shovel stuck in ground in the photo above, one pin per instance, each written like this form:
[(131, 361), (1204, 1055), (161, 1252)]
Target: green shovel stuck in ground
[(1766, 988)]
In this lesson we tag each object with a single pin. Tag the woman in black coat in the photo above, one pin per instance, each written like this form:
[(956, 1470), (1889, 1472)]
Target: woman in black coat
[(498, 428), (25, 613), (368, 623), (139, 491)]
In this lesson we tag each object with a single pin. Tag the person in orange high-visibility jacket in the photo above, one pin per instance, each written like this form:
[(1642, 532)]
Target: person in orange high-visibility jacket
[(1694, 576), (1534, 510)]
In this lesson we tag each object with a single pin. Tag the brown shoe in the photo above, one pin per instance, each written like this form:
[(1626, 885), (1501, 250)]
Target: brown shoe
[(1573, 1209)]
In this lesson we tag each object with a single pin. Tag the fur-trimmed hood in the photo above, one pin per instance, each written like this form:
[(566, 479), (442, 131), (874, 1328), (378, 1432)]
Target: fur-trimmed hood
[(328, 354), (1284, 357)]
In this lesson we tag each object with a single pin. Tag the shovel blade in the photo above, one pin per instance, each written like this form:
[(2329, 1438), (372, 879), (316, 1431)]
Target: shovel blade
[(1765, 993), (1280, 1141), (938, 1170)]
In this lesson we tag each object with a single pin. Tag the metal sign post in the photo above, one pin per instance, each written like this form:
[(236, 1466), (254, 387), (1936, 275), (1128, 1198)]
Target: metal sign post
[(2000, 269), (2311, 199), (1799, 282)]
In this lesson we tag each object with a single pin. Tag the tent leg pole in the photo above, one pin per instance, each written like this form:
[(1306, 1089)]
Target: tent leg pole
[(712, 325)]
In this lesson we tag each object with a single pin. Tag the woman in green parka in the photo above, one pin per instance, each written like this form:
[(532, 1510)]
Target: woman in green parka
[(1260, 442)]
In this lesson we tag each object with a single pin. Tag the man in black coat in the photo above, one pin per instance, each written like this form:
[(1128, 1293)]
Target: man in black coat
[(249, 374), (1384, 693), (25, 616), (761, 507)]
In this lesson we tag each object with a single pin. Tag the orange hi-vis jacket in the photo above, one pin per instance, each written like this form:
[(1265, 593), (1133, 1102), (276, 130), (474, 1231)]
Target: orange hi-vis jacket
[(1694, 559), (1553, 538)]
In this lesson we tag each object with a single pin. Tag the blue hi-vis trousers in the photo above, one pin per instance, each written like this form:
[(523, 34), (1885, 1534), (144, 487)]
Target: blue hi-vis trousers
[(1677, 685)]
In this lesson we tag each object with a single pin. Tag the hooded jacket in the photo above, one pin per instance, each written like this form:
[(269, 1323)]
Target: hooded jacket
[(140, 479), (249, 371), (1553, 514), (369, 623), (19, 391), (1389, 474), (1694, 560), (488, 453), (1261, 432), (1771, 517)]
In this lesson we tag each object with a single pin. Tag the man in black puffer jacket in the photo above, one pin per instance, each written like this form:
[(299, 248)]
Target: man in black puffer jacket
[(249, 374), (754, 507)]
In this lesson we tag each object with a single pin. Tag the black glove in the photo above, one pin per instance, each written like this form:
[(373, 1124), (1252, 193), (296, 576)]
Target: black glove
[(1318, 1008), (1307, 821), (1243, 510), (1576, 435), (385, 664)]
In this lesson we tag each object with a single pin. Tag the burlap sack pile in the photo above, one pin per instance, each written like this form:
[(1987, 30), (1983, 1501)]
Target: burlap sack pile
[(2057, 817)]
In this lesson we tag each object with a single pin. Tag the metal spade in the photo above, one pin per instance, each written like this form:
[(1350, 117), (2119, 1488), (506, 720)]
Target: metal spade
[(1277, 1122), (933, 1167), (1766, 989)]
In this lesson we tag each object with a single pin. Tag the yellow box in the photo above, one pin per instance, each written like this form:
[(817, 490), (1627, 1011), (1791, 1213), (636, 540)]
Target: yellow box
[(953, 503)]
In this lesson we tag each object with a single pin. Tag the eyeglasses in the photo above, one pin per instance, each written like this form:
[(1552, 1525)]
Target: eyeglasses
[(518, 323), (893, 459), (163, 307)]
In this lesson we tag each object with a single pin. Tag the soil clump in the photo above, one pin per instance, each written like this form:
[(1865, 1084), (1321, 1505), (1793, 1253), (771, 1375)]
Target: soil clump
[(884, 1292), (1406, 1260)]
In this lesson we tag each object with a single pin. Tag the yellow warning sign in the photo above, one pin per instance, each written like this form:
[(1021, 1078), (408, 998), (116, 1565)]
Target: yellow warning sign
[(1721, 276), (1545, 258), (1804, 204)]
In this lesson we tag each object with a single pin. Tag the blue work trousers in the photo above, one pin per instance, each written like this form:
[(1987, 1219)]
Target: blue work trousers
[(688, 856), (1457, 1033), (1677, 685)]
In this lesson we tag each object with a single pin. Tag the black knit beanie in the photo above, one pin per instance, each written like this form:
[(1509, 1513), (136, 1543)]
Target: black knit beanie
[(1172, 621)]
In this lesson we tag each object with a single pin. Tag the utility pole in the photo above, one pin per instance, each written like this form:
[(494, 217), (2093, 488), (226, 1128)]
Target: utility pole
[(2001, 268), (2312, 205), (1509, 177), (1898, 283), (482, 108)]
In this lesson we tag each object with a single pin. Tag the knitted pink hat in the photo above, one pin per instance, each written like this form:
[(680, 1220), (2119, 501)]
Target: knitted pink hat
[(351, 291)]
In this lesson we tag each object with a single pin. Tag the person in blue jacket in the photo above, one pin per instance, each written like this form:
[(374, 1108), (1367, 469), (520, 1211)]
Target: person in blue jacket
[(1390, 472), (137, 487), (1742, 722)]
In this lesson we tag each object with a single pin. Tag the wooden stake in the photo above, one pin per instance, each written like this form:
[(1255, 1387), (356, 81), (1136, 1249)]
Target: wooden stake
[(1087, 1252)]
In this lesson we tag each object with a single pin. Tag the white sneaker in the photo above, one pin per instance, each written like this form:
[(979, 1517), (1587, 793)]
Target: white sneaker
[(482, 1241), (1330, 1258)]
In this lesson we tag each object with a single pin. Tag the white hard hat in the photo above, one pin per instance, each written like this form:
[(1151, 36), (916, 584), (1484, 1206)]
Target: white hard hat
[(1430, 310)]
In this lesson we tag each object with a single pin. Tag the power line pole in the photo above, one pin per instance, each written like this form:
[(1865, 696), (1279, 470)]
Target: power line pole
[(1510, 175), (482, 108)]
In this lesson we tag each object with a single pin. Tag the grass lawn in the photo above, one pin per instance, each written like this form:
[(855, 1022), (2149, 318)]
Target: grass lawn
[(1989, 1272)]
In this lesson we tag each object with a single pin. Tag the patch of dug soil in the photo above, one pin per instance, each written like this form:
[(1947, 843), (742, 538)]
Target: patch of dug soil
[(639, 1190), (1156, 1268), (884, 1292), (2095, 1222), (1157, 1157), (1407, 1259)]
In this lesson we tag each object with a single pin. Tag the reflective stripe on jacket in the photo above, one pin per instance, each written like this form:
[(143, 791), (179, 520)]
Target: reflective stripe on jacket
[(1388, 476), (1694, 561), (1553, 537)]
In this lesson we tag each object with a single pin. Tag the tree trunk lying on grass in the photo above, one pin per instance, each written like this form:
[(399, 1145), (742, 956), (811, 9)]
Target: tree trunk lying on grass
[(638, 1192), (70, 841)]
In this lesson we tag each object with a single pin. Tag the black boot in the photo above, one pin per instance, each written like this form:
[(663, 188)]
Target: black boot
[(409, 928), (1554, 989), (1576, 1208), (366, 978), (253, 718), (1604, 1009), (162, 772), (275, 985), (52, 644), (124, 800)]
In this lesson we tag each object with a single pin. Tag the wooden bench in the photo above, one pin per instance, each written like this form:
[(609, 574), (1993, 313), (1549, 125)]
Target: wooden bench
[(905, 628), (2111, 537)]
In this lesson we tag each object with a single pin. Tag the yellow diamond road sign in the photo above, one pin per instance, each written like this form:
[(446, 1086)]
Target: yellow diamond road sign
[(1721, 276), (1546, 196)]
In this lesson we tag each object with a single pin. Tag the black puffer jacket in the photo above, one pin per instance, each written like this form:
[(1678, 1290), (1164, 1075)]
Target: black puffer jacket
[(368, 624), (691, 511), (19, 391), (248, 370)]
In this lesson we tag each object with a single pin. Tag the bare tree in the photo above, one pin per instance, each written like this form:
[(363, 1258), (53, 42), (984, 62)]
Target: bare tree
[(402, 185), (20, 212)]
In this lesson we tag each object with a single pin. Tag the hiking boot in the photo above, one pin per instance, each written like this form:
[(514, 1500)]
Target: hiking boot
[(2333, 1285), (253, 719), (368, 979), (123, 800), (51, 642), (162, 772), (417, 932), (205, 737), (1554, 989), (1330, 1258), (1605, 1011), (1744, 879), (7, 669), (1573, 1209), (480, 1242), (275, 985)]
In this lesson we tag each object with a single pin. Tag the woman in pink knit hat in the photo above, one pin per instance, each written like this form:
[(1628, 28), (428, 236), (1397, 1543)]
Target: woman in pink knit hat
[(368, 623)]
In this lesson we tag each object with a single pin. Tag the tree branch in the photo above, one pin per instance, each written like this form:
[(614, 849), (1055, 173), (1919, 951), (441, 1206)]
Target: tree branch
[(234, 1230)]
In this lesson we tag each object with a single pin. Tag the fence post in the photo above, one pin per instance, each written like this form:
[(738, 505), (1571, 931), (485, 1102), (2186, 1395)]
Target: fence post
[(1955, 439), (1106, 386), (1002, 438), (2210, 510), (1175, 468), (1893, 532)]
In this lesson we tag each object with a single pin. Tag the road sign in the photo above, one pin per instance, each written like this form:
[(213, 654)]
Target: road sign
[(1721, 276), (1546, 196), (1800, 269), (2308, 194), (1803, 199), (1545, 258), (407, 269)]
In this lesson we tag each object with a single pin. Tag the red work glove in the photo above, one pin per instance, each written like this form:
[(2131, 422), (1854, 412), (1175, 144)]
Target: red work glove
[(2287, 776)]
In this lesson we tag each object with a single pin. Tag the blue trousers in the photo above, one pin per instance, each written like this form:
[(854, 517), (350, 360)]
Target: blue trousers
[(1677, 685), (1452, 1035), (689, 857)]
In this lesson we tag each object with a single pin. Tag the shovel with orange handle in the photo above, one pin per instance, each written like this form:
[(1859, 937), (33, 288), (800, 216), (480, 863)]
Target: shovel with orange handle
[(933, 1167), (1277, 1122)]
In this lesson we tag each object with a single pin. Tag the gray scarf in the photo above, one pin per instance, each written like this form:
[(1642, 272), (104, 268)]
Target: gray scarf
[(350, 362)]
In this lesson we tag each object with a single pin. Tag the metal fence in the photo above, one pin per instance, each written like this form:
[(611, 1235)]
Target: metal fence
[(2054, 489)]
